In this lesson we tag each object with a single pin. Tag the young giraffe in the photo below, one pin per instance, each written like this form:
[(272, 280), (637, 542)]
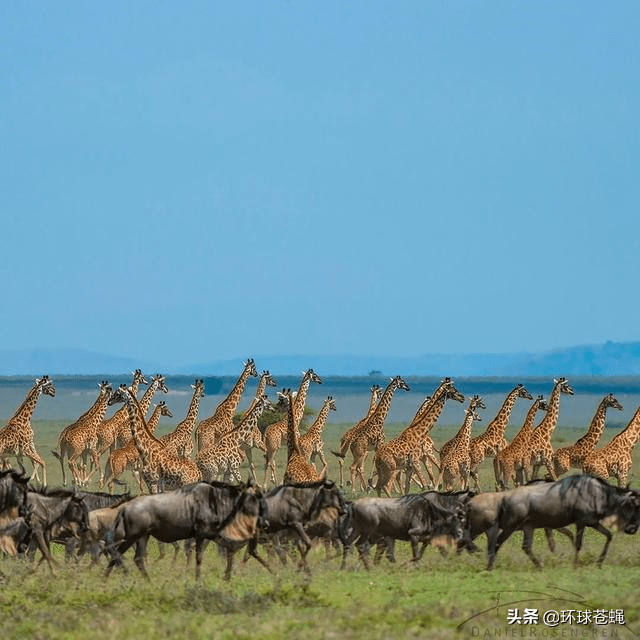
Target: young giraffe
[(157, 384), (299, 469), (540, 449), (16, 438), (456, 461), (82, 435), (226, 455), (493, 440), (311, 445), (210, 429), (510, 461), (161, 471), (404, 451), (351, 434), (117, 426), (614, 459), (128, 457), (575, 455), (275, 433), (372, 435), (180, 441)]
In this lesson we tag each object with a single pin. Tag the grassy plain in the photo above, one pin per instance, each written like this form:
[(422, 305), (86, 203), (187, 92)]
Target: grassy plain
[(451, 597)]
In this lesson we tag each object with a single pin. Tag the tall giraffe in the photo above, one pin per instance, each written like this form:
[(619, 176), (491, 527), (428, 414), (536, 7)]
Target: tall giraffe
[(311, 445), (157, 384), (211, 428), (225, 456), (372, 435), (16, 438), (161, 470), (275, 433), (493, 440), (109, 430), (455, 459), (540, 449), (575, 455), (128, 457), (180, 441), (299, 469), (82, 435), (405, 450), (350, 435), (614, 459), (509, 462)]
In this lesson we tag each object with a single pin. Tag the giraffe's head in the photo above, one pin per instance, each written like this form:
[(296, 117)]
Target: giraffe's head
[(268, 379), (332, 403), (563, 385), (164, 410), (160, 381), (250, 368), (476, 403), (451, 393), (119, 395), (399, 383), (610, 402), (541, 404), (312, 376), (283, 399), (138, 377), (474, 414), (46, 386), (105, 389), (264, 403), (198, 388), (521, 392)]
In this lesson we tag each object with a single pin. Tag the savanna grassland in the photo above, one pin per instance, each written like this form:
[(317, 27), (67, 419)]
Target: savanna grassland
[(443, 597)]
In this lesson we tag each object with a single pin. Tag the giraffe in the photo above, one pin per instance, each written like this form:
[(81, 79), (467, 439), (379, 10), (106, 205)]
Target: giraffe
[(509, 462), (210, 429), (82, 435), (540, 449), (614, 459), (161, 470), (127, 457), (180, 441), (16, 438), (226, 455), (349, 436), (299, 469), (455, 459), (493, 440), (406, 449), (157, 384), (372, 435), (275, 433), (311, 445), (575, 455), (109, 430)]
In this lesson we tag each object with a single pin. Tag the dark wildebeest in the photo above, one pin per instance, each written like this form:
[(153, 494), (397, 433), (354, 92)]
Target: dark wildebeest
[(417, 518), (229, 514), (14, 533), (304, 510), (13, 491), (583, 500), (52, 510)]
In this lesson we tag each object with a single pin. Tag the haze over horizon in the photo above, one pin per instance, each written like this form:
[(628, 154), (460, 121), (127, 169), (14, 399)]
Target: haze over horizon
[(209, 181)]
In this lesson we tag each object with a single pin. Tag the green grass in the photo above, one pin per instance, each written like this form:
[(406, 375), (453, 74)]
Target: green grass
[(453, 597)]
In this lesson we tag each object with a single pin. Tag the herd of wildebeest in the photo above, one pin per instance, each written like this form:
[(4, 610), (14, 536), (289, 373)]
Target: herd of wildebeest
[(289, 518)]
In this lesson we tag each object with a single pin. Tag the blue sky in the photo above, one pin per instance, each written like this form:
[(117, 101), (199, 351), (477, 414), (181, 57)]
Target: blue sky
[(182, 182)]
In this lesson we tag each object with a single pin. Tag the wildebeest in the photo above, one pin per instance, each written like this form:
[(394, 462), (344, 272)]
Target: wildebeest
[(581, 499), (14, 532), (54, 508), (301, 508), (417, 518), (227, 513), (13, 491)]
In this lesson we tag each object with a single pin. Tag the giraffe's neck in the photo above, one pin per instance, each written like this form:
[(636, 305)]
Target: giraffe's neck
[(318, 425), (293, 437), (144, 441), (629, 437), (152, 422), (229, 405), (527, 428), (245, 430), (145, 401), (550, 419), (463, 437), (121, 414), (374, 429), (596, 428), (431, 413), (424, 412), (262, 385), (25, 411), (187, 425), (497, 427), (300, 400)]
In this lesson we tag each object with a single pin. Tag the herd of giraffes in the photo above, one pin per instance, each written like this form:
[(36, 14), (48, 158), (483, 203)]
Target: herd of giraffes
[(167, 462)]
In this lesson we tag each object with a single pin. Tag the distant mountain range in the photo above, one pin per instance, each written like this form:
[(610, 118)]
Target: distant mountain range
[(608, 359)]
